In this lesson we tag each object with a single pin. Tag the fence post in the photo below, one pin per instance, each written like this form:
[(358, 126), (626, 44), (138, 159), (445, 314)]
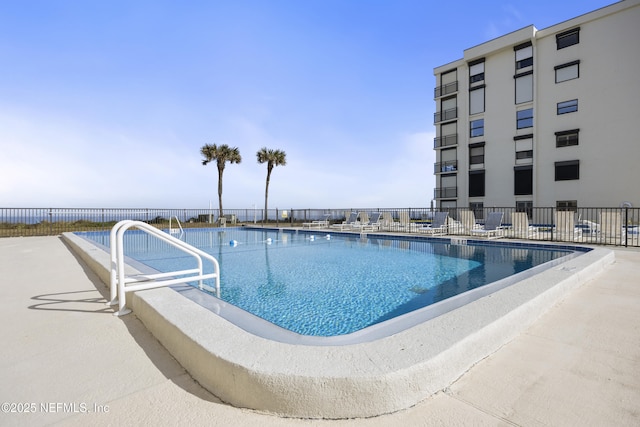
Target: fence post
[(626, 227)]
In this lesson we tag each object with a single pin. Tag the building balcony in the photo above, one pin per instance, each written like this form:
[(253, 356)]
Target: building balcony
[(445, 141), (441, 116), (445, 192), (445, 167), (445, 89)]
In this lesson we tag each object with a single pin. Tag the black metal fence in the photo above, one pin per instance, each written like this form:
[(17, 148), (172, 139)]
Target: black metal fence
[(601, 226)]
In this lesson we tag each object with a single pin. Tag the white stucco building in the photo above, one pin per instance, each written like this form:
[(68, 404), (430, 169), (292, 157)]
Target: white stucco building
[(543, 118)]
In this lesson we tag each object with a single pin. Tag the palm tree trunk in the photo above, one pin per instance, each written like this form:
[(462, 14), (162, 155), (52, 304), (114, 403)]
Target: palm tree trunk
[(266, 193), (220, 191)]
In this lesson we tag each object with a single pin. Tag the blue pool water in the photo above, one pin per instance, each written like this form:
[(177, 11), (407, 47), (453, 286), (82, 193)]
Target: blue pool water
[(327, 285)]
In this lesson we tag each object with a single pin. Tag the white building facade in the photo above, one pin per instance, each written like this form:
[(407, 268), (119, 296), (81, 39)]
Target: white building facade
[(543, 118)]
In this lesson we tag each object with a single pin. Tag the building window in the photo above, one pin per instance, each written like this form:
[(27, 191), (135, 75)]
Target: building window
[(476, 71), (476, 183), (524, 118), (566, 171), (567, 138), (567, 205), (477, 128), (568, 38), (476, 155), (525, 206), (567, 106), (524, 149), (478, 209), (567, 71), (476, 100), (523, 180), (524, 87), (524, 55)]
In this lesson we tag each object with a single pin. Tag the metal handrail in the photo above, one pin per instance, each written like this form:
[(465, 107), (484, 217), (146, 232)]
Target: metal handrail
[(179, 225), (119, 281)]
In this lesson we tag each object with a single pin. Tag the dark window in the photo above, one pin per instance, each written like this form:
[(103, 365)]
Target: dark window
[(476, 78), (525, 206), (476, 183), (476, 71), (476, 154), (524, 155), (524, 118), (478, 209), (568, 38), (477, 128), (567, 205), (566, 171), (523, 180), (567, 138), (567, 106), (524, 63)]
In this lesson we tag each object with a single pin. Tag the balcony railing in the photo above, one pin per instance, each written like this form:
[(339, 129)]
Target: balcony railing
[(441, 116), (445, 141), (448, 166), (445, 89), (445, 192)]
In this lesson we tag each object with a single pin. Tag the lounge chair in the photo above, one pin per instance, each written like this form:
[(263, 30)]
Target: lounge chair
[(565, 226), (373, 224), (363, 219), (387, 223), (405, 222), (611, 230), (492, 227), (346, 224), (438, 225), (520, 226), (465, 223), (318, 223)]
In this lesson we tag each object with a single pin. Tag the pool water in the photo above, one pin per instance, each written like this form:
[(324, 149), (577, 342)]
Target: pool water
[(322, 284)]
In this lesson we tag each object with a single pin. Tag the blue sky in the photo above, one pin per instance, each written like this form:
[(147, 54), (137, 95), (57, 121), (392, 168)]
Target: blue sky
[(107, 103)]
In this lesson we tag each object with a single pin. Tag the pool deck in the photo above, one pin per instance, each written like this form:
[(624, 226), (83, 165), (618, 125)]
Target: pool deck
[(73, 363)]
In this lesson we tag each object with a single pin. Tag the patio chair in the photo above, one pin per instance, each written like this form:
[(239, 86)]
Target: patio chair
[(520, 226), (373, 224), (565, 226), (438, 225), (465, 223), (405, 222), (492, 227), (318, 223), (611, 230), (346, 224), (387, 222)]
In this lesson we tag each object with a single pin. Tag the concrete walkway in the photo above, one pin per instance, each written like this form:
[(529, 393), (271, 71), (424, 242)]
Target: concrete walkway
[(67, 361)]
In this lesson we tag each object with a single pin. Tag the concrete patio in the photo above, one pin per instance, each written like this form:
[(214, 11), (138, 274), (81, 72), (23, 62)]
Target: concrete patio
[(68, 361)]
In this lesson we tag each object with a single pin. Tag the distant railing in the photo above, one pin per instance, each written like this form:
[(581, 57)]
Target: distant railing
[(600, 226)]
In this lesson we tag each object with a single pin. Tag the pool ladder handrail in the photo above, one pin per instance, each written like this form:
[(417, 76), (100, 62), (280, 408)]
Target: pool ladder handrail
[(179, 226), (120, 284)]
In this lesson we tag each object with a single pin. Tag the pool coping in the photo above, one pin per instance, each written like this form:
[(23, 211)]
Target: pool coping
[(355, 380)]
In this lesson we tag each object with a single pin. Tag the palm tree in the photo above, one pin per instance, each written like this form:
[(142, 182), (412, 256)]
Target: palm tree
[(271, 158), (221, 154)]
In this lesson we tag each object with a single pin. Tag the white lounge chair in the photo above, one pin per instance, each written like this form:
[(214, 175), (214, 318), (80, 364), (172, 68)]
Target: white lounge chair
[(324, 223), (346, 224), (438, 225), (387, 222), (565, 226), (492, 227), (373, 224), (404, 222), (611, 230), (520, 226)]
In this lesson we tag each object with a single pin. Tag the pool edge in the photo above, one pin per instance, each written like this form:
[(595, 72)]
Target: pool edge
[(358, 380)]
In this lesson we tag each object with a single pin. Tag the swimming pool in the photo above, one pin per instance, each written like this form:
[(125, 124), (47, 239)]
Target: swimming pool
[(325, 285), (343, 377)]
